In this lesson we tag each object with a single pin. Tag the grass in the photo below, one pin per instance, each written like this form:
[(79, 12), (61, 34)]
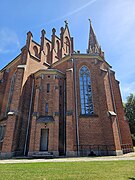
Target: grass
[(102, 170)]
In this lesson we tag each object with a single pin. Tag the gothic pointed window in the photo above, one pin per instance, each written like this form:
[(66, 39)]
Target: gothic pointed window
[(85, 92), (2, 132), (67, 45), (11, 90), (48, 87), (57, 47), (46, 108), (48, 59), (35, 51)]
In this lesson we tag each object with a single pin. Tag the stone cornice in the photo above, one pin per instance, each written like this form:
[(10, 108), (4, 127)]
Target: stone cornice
[(79, 56)]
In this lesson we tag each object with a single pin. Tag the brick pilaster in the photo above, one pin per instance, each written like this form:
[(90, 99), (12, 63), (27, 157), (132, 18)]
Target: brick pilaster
[(33, 123), (69, 118), (13, 114)]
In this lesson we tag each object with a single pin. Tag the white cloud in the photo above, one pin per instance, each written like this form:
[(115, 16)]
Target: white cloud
[(9, 41), (79, 9), (74, 11)]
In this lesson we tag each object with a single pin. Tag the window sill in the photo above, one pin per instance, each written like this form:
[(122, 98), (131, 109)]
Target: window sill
[(88, 115)]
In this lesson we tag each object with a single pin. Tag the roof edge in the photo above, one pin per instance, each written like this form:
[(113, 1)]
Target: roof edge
[(10, 63)]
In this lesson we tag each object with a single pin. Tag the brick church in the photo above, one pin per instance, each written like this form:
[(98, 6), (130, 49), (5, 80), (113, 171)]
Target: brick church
[(57, 101)]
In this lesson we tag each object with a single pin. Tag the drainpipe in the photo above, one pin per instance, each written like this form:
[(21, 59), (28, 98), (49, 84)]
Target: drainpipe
[(64, 116), (114, 105), (28, 125), (76, 107)]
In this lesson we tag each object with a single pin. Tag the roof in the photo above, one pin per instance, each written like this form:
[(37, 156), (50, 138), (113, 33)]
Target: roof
[(45, 119), (92, 43)]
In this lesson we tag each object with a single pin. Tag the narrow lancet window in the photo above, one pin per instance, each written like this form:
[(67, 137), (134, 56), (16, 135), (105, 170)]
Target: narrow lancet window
[(2, 132), (48, 88), (46, 108), (85, 92), (10, 93)]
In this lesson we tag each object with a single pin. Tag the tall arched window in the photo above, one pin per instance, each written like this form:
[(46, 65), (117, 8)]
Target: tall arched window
[(35, 51), (11, 93), (67, 44), (57, 48), (48, 53), (85, 92)]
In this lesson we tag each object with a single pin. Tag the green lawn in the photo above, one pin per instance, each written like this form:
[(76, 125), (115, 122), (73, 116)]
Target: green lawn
[(101, 170)]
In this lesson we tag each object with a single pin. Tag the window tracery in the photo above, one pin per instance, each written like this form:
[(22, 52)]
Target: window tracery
[(85, 92)]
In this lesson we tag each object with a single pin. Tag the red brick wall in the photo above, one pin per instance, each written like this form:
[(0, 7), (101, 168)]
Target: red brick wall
[(123, 124), (96, 129), (52, 98), (9, 139), (90, 127), (5, 86)]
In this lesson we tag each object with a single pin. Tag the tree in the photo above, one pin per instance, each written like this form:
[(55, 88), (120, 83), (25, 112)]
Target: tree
[(129, 108)]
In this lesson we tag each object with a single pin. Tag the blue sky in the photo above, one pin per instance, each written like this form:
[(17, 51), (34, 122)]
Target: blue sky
[(113, 22)]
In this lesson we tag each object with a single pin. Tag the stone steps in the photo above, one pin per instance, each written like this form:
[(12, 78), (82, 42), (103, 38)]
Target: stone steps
[(43, 154)]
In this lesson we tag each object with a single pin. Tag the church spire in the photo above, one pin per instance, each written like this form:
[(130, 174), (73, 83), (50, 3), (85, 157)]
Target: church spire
[(93, 46)]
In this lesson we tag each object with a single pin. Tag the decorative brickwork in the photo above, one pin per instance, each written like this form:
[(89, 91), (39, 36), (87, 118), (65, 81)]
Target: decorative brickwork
[(43, 114)]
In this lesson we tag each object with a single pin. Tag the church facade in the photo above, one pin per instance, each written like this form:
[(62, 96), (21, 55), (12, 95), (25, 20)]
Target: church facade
[(56, 101)]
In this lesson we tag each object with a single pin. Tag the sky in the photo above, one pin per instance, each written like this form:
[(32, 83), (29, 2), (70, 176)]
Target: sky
[(113, 22)]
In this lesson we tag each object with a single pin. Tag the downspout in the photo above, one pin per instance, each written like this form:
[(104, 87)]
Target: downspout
[(28, 125), (76, 108), (114, 105), (64, 116)]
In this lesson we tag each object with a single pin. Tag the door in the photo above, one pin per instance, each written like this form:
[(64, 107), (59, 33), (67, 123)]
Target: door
[(44, 140)]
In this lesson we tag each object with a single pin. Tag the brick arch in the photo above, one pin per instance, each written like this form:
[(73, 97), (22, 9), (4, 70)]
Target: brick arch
[(67, 45), (35, 51), (57, 47), (87, 64), (48, 53), (84, 66)]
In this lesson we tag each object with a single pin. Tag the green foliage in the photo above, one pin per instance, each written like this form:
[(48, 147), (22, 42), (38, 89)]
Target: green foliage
[(129, 108), (133, 138), (99, 170)]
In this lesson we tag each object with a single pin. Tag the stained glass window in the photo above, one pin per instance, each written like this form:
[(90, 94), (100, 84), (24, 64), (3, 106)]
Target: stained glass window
[(85, 92)]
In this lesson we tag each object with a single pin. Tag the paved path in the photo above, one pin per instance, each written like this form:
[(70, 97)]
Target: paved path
[(129, 156)]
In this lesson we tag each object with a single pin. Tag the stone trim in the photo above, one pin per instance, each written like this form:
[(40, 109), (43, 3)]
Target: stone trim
[(21, 66), (12, 113)]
